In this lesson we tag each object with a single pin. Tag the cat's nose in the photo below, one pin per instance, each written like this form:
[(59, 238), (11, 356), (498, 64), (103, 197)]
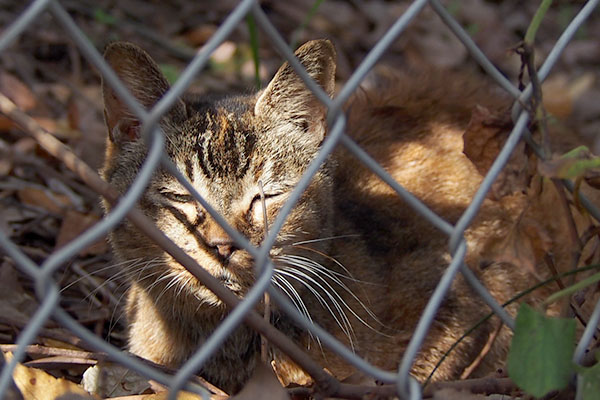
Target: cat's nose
[(224, 246), (225, 250)]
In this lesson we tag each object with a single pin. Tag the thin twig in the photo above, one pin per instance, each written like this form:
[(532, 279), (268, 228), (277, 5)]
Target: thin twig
[(57, 334), (37, 350), (264, 343), (574, 236), (484, 351), (527, 55), (576, 245), (574, 306), (486, 386)]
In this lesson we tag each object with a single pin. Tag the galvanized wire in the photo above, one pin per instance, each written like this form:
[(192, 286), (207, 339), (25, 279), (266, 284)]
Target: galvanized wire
[(47, 290)]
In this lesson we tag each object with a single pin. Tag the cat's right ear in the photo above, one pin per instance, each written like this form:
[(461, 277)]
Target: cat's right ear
[(287, 99), (142, 77)]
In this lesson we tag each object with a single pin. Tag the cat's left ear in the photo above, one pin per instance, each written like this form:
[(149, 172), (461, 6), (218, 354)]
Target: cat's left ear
[(288, 100), (143, 79)]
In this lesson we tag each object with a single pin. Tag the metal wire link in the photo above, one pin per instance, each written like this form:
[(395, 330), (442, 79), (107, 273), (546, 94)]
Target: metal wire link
[(47, 290)]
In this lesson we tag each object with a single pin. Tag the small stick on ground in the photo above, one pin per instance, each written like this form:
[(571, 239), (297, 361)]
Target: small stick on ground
[(484, 351), (264, 343)]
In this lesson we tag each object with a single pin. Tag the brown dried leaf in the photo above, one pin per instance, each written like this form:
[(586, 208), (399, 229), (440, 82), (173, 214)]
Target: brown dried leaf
[(483, 139), (560, 94), (15, 303), (25, 145), (112, 380), (199, 35), (524, 246), (74, 224), (12, 391), (180, 396), (262, 385), (36, 384), (17, 91), (6, 124), (46, 199), (6, 165)]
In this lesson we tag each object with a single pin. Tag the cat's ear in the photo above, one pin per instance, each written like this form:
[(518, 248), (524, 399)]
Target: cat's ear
[(287, 99), (142, 77)]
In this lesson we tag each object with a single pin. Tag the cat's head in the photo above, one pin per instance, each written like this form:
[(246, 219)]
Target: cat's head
[(225, 147)]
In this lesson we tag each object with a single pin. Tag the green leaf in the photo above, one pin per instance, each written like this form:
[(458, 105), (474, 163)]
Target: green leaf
[(589, 382), (536, 21), (539, 360), (170, 72), (254, 45), (571, 165), (103, 17), (589, 281)]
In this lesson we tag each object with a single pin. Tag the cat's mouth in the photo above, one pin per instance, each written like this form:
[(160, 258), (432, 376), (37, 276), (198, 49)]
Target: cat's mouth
[(230, 282)]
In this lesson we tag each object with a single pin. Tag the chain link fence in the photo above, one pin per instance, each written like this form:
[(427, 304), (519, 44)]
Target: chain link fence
[(48, 291)]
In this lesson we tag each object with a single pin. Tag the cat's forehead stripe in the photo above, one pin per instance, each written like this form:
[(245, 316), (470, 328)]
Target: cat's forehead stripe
[(226, 144)]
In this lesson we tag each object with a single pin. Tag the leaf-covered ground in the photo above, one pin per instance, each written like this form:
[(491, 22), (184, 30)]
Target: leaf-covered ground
[(43, 205)]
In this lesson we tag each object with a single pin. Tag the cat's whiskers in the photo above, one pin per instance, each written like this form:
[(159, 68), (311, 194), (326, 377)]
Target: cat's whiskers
[(124, 270), (124, 274), (113, 322), (329, 277), (294, 296), (340, 317), (124, 264), (312, 266), (173, 277), (308, 241), (302, 244)]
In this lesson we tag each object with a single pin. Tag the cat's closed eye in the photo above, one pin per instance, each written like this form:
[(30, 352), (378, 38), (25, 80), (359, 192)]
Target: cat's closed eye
[(257, 199), (178, 197), (256, 207)]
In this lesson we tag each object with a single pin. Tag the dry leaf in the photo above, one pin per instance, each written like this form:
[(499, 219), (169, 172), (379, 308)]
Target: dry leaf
[(262, 385), (6, 124), (483, 139), (560, 94), (17, 91), (54, 203), (12, 391), (25, 145), (111, 380), (15, 303), (36, 384), (6, 164), (180, 396), (199, 35), (73, 225), (524, 246)]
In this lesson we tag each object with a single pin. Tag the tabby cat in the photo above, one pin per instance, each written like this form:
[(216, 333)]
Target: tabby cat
[(352, 256)]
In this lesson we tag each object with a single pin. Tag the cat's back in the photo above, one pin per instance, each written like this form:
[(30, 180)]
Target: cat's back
[(413, 126)]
